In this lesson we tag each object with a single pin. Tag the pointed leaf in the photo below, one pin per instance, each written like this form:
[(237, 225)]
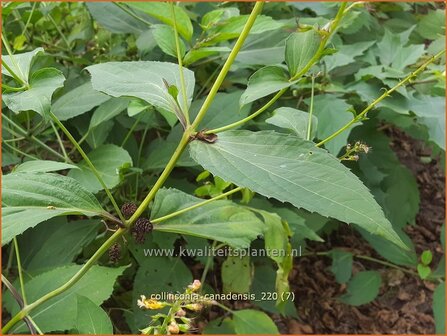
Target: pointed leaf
[(165, 37), (300, 48), (91, 319), (249, 321), (23, 62), (362, 288), (223, 221), (293, 170), (144, 80), (31, 198), (42, 166), (295, 120)]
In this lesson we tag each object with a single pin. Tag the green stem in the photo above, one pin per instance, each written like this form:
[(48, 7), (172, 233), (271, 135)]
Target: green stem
[(32, 137), (226, 67), (13, 89), (208, 264), (16, 65), (27, 309), (19, 267), (60, 32), (29, 19), (61, 144), (19, 151), (311, 109), (198, 205), (382, 97), (89, 163), (140, 150), (313, 60), (180, 65), (132, 128)]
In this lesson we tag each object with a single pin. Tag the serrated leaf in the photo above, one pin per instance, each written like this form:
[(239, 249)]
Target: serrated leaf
[(37, 98), (162, 11), (249, 321), (59, 313), (362, 288), (264, 82), (91, 319), (223, 221), (293, 170), (144, 80), (341, 265), (23, 62), (31, 198), (295, 120), (42, 166), (301, 47), (108, 160), (70, 105)]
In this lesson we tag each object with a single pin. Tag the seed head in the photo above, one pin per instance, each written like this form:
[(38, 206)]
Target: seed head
[(139, 230), (115, 253), (128, 209)]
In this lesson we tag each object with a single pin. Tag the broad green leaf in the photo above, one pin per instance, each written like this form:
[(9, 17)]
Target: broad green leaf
[(237, 274), (165, 37), (293, 170), (195, 55), (115, 19), (301, 47), (249, 321), (264, 82), (20, 63), (42, 85), (346, 53), (108, 160), (341, 265), (60, 312), (91, 319), (42, 166), (219, 327), (52, 234), (297, 224), (295, 120), (223, 221), (157, 275), (78, 101), (332, 113), (108, 110), (432, 25), (31, 198), (162, 11), (362, 288), (439, 308), (213, 17), (143, 80)]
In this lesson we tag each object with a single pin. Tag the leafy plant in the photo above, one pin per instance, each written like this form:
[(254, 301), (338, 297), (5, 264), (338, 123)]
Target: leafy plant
[(104, 120)]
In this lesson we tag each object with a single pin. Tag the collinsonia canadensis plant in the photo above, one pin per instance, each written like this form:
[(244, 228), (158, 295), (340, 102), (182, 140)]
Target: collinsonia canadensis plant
[(239, 169)]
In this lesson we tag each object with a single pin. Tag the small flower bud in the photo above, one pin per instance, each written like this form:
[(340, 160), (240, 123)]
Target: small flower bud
[(173, 328), (195, 286), (194, 307), (128, 209), (180, 313), (151, 304)]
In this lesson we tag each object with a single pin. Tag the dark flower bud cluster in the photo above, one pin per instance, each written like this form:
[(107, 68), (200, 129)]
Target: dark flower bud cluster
[(139, 230), (115, 253), (128, 209)]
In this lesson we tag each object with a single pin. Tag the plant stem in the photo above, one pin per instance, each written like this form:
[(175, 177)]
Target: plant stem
[(313, 60), (19, 267), (226, 67), (198, 205), (180, 65), (13, 89), (61, 144), (19, 79), (382, 97), (311, 110), (20, 152), (27, 309), (208, 264), (132, 128), (60, 32), (32, 137), (90, 164), (140, 150)]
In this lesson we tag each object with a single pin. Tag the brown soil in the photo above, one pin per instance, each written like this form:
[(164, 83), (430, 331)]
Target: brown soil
[(404, 303)]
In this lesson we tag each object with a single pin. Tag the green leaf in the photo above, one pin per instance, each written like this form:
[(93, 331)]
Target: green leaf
[(332, 113), (157, 275), (264, 82), (223, 221), (432, 25), (114, 19), (108, 110), (60, 312), (31, 198), (91, 319), (293, 170), (162, 11), (42, 166), (70, 105), (37, 98), (295, 120), (165, 37), (143, 80), (341, 265), (426, 257), (362, 288), (301, 47), (237, 274), (23, 62), (195, 55), (439, 308), (53, 234), (249, 321), (219, 327), (423, 271), (346, 54), (108, 160)]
